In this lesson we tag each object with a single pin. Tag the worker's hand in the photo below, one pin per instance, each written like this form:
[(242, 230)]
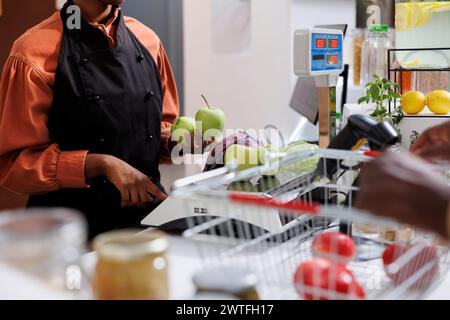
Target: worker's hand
[(406, 188), (434, 144), (135, 187)]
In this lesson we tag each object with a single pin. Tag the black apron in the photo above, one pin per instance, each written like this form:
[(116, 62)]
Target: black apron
[(108, 101)]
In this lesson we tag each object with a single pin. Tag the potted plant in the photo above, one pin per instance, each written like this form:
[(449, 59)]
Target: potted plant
[(381, 92)]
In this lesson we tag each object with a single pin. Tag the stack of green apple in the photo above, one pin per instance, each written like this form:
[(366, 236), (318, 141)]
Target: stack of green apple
[(210, 119)]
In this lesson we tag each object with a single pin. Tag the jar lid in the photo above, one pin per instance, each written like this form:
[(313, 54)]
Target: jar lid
[(232, 280), (379, 28), (125, 245)]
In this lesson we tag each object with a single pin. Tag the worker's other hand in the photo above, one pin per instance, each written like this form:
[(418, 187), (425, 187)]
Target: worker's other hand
[(434, 144), (135, 187), (406, 188)]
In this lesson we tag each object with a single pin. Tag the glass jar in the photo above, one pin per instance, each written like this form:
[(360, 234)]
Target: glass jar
[(131, 265), (374, 53), (358, 39), (423, 24), (46, 243)]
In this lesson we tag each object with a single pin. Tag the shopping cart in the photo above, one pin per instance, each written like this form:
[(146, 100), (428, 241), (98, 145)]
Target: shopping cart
[(267, 224)]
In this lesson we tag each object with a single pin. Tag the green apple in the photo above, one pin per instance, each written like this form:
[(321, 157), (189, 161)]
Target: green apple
[(245, 157), (212, 120), (263, 157), (242, 186), (267, 183), (182, 127)]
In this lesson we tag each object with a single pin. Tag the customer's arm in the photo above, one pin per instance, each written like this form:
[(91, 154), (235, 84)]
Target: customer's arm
[(406, 188), (434, 144)]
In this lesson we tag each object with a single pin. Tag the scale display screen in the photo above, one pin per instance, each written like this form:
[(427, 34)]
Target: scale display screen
[(326, 52), (333, 43), (321, 43)]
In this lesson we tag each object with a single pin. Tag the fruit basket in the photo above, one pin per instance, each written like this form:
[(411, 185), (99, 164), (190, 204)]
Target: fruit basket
[(292, 223)]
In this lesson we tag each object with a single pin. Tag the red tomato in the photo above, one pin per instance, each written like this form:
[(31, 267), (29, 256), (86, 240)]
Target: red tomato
[(399, 274), (320, 279), (334, 246)]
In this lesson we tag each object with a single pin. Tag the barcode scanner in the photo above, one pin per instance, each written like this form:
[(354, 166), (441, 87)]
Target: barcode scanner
[(359, 130)]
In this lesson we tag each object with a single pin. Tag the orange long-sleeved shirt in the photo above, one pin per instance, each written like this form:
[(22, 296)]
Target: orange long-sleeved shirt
[(29, 162)]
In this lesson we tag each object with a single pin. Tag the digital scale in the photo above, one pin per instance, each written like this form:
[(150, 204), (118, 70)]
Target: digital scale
[(318, 53)]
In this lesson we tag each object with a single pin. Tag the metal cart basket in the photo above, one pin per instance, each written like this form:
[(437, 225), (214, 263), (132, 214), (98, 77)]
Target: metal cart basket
[(265, 219)]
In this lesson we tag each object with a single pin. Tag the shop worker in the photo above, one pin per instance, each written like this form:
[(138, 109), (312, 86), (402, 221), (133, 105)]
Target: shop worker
[(86, 113), (407, 187)]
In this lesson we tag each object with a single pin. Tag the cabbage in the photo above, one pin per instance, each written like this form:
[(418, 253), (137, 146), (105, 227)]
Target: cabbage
[(302, 165), (216, 158)]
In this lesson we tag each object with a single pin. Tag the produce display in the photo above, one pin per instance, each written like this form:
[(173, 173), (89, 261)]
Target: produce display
[(267, 183), (263, 154), (399, 273), (320, 279), (334, 246), (414, 102), (304, 165), (242, 186), (216, 158), (245, 157), (181, 127), (211, 121), (439, 102)]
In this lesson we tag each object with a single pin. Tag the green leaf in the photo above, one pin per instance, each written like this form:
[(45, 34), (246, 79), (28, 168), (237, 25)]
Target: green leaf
[(362, 100), (375, 76), (375, 91)]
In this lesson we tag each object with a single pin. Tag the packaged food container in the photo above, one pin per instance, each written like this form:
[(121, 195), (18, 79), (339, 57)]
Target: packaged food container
[(358, 38), (47, 244), (131, 265)]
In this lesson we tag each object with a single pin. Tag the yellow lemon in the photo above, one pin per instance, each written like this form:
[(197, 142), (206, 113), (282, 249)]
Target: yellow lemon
[(439, 102), (413, 102)]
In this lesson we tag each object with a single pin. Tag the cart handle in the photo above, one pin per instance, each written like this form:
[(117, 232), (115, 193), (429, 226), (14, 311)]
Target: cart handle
[(297, 205), (372, 153)]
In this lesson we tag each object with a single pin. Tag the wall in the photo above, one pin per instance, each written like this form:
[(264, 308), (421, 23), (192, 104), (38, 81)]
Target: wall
[(18, 16), (254, 89), (165, 18)]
